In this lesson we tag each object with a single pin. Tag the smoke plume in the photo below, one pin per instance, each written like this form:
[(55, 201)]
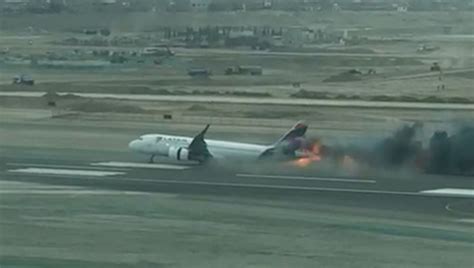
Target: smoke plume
[(444, 152)]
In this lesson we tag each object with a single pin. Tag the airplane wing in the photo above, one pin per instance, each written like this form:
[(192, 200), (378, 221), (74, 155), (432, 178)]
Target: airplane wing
[(198, 147)]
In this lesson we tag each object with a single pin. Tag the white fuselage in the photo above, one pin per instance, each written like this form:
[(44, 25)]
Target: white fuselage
[(160, 145)]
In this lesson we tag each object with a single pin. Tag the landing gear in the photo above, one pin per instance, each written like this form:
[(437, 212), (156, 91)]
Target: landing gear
[(151, 159)]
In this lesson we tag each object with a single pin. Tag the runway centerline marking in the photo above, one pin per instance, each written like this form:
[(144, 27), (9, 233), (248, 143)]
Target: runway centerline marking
[(139, 165), (450, 192), (282, 177), (73, 172), (65, 166)]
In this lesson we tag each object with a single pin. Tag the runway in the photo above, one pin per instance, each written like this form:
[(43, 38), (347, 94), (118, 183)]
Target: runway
[(412, 193), (77, 201)]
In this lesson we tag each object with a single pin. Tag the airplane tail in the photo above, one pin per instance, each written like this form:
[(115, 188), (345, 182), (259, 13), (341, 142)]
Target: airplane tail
[(298, 130)]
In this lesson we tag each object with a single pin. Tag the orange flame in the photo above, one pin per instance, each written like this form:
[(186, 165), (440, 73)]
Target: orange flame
[(316, 148), (311, 155), (302, 162)]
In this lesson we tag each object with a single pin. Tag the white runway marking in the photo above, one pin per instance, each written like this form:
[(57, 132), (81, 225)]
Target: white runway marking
[(73, 172), (71, 192), (280, 177), (64, 166), (262, 186), (471, 221), (450, 192), (139, 165)]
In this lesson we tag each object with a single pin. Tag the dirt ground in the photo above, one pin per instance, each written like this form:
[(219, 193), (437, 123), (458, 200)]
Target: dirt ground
[(400, 70)]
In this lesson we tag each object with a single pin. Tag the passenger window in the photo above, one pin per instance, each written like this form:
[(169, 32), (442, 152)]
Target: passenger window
[(158, 139)]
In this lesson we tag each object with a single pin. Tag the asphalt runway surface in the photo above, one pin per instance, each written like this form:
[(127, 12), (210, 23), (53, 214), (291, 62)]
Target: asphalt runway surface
[(353, 213), (403, 192)]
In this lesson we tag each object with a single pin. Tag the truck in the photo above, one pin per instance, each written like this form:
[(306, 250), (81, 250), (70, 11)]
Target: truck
[(244, 70), (157, 51), (199, 72), (427, 48), (435, 67), (23, 79)]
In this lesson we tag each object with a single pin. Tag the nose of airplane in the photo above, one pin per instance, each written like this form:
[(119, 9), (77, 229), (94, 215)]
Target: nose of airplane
[(133, 145)]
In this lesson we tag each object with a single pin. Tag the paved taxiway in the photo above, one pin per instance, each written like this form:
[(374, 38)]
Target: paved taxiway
[(75, 196), (263, 101)]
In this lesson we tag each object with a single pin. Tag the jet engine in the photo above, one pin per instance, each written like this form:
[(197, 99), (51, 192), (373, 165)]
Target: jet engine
[(179, 153)]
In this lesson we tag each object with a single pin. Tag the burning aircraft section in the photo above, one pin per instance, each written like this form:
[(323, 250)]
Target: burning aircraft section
[(443, 153)]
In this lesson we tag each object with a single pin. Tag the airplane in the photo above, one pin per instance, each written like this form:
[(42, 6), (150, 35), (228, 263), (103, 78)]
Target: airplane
[(197, 149)]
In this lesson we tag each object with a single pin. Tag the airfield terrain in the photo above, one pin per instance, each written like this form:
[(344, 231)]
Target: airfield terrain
[(73, 195)]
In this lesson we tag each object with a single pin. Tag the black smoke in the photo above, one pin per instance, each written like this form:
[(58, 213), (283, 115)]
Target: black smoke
[(452, 154), (400, 149), (443, 153)]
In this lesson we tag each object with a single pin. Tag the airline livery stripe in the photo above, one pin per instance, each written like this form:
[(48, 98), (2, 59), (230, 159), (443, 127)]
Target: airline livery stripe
[(280, 177)]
